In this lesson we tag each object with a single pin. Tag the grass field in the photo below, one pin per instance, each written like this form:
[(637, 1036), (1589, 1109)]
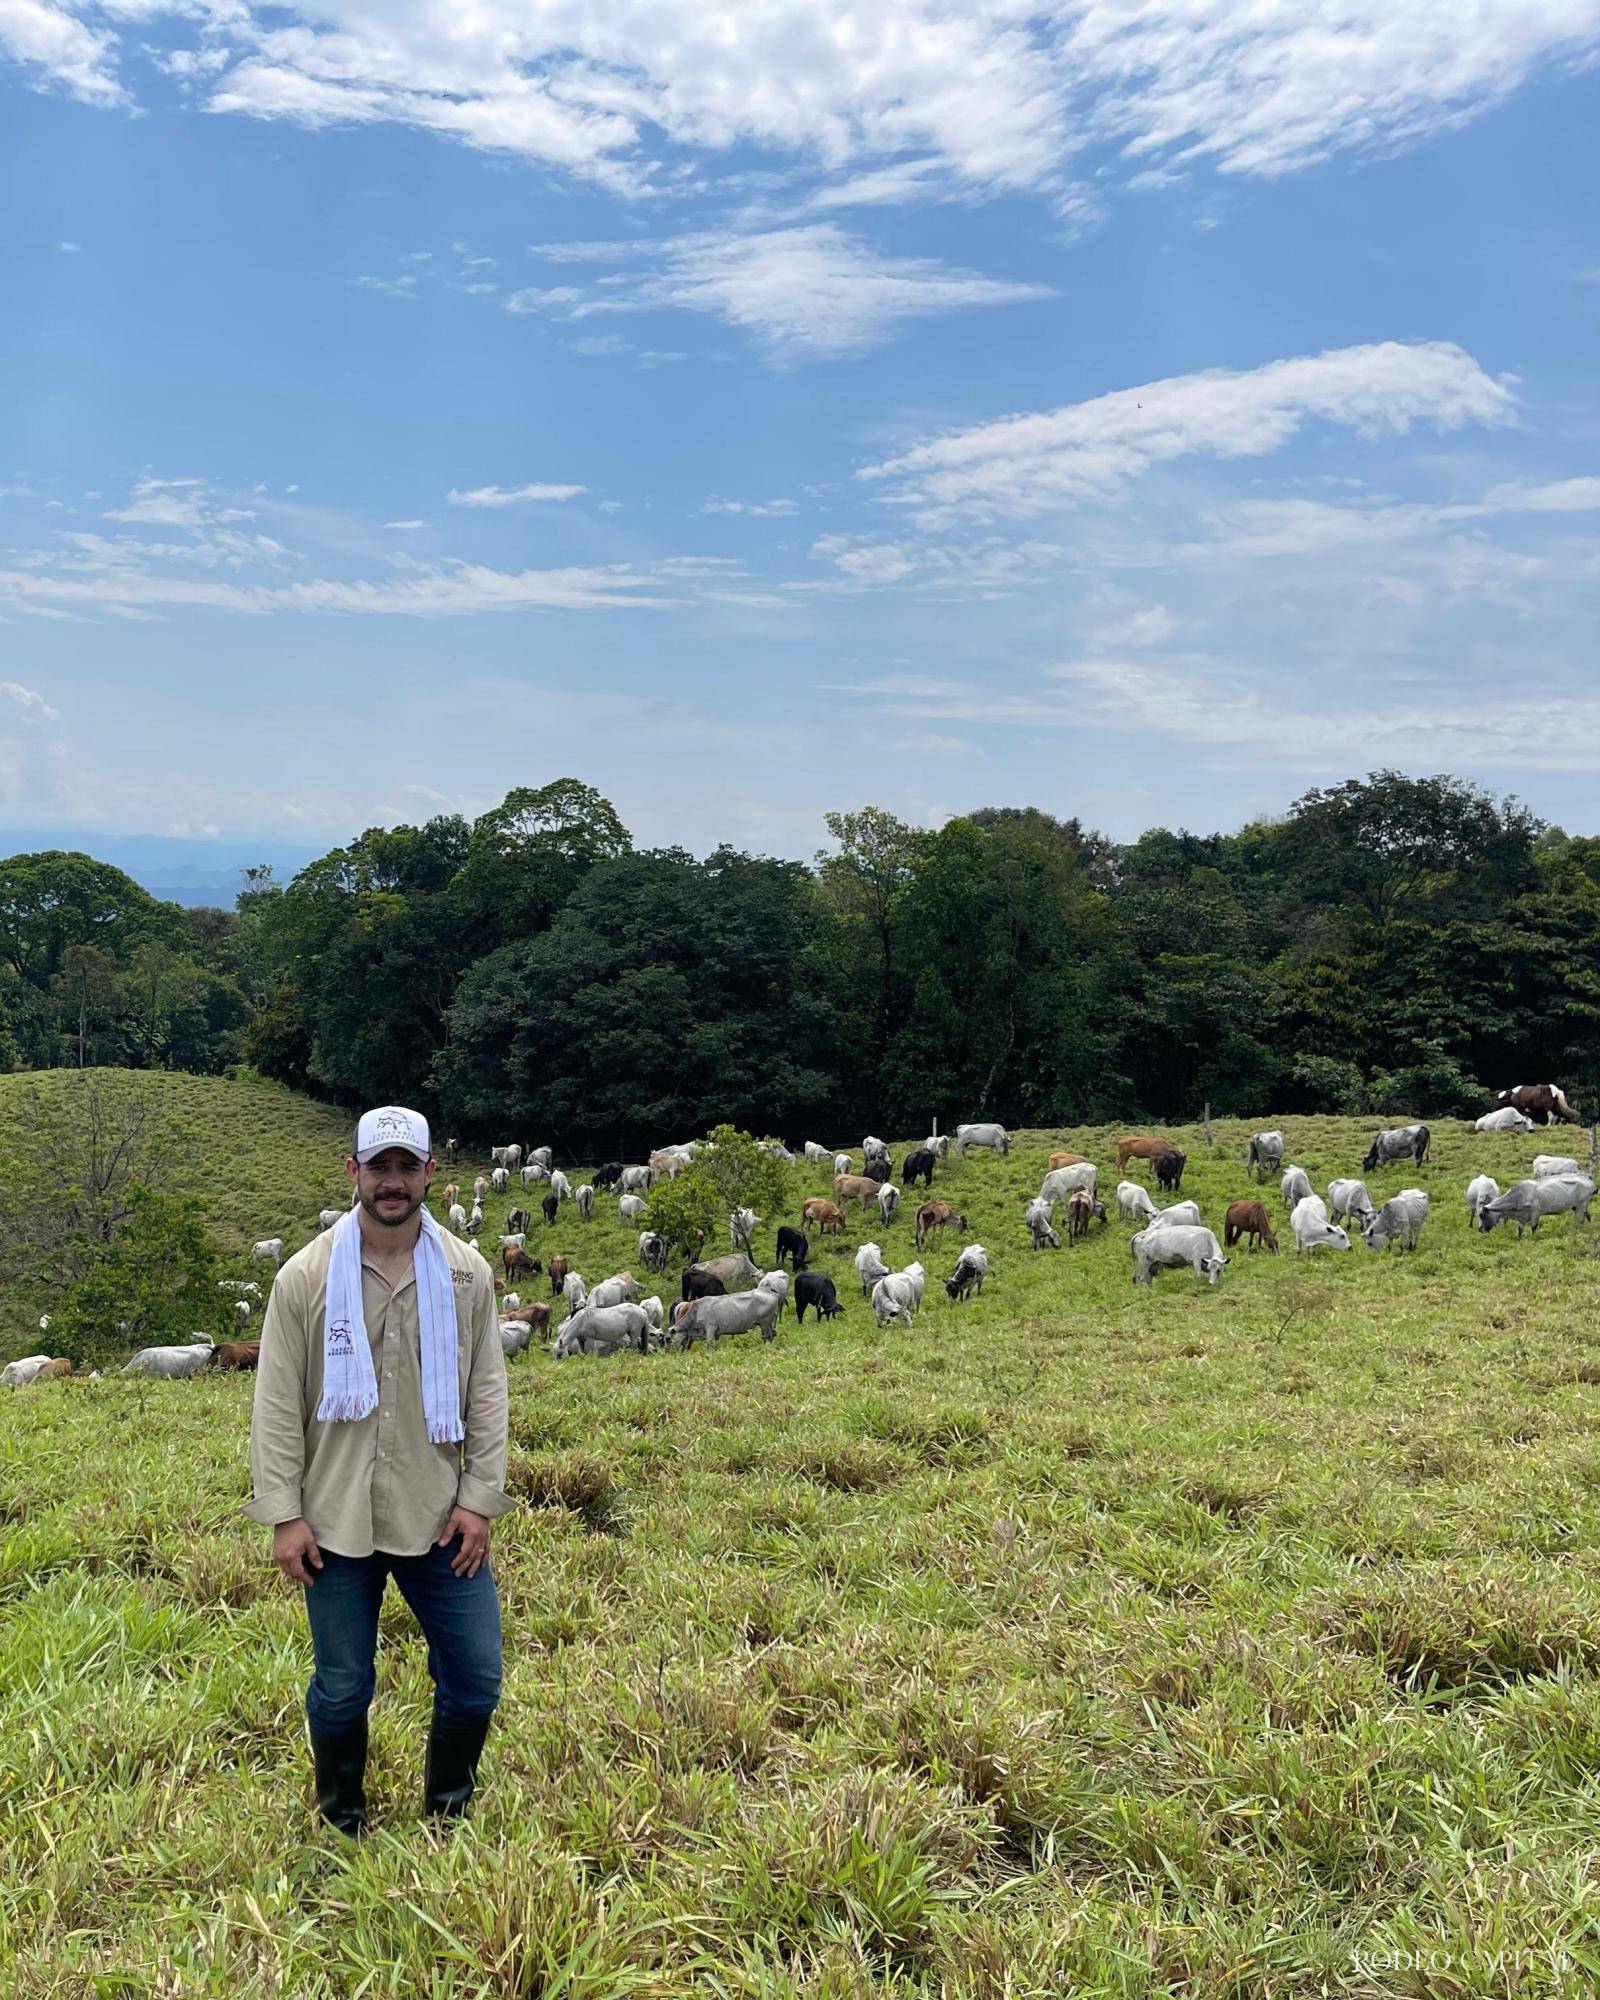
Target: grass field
[(1080, 1640)]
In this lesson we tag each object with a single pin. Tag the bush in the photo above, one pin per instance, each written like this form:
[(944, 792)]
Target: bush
[(1433, 1086), (156, 1282)]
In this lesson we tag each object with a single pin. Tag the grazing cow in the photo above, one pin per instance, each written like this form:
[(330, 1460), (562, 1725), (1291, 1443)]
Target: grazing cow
[(1545, 1164), (1348, 1200), (480, 1187), (452, 1194), (1312, 1229), (238, 1354), (1399, 1221), (500, 1180), (560, 1186), (54, 1371), (775, 1149), (971, 1269), (1167, 1249), (548, 1207), (517, 1222), (1062, 1181), (870, 1266), (898, 1296), (584, 1197), (654, 1311), (515, 1335), (702, 1285), (878, 1169), (827, 1218), (1133, 1203), (452, 1151), (736, 1274), (888, 1202), (602, 1330), (632, 1207), (712, 1319), (1169, 1169), (517, 1262), (873, 1149), (622, 1290), (652, 1250), (918, 1165), (575, 1292), (1544, 1103), (776, 1281), (988, 1138), (1068, 1159), (793, 1245), (609, 1174), (1481, 1189), (1264, 1155), (1248, 1218), (936, 1215), (475, 1219), (843, 1164), (513, 1157), (559, 1267), (268, 1251), (1296, 1185), (1183, 1214), (742, 1225), (534, 1172), (815, 1289), (1082, 1209), (327, 1217), (666, 1166), (1398, 1142), (457, 1218), (633, 1180), (819, 1156), (1527, 1203), (1041, 1228), (28, 1368), (535, 1315), (1131, 1148), (1507, 1119), (854, 1187), (170, 1363), (541, 1156)]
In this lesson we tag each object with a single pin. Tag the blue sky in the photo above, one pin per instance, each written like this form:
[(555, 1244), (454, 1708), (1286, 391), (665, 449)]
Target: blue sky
[(1144, 412)]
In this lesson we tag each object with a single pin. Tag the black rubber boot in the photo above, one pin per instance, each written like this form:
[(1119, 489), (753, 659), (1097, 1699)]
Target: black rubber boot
[(340, 1758), (451, 1771)]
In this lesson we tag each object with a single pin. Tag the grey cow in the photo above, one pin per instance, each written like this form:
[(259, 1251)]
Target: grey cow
[(1265, 1154), (603, 1330), (1398, 1142), (169, 1363), (1157, 1249), (715, 1319), (1527, 1203), (995, 1138), (1399, 1220)]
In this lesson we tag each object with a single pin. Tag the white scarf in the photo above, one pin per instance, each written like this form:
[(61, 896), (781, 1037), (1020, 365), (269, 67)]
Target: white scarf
[(349, 1386)]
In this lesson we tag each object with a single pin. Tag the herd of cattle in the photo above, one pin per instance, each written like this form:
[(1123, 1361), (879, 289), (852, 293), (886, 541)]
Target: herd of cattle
[(732, 1294)]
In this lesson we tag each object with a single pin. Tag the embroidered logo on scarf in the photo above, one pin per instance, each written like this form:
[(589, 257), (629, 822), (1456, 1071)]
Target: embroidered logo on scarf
[(339, 1343)]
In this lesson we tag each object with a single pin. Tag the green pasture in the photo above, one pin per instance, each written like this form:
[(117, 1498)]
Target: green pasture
[(1080, 1640)]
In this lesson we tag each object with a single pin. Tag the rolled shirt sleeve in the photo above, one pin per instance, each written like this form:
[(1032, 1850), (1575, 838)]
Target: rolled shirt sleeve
[(277, 1421), (487, 1414)]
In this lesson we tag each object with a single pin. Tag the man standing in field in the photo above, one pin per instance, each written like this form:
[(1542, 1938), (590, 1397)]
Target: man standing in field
[(378, 1449)]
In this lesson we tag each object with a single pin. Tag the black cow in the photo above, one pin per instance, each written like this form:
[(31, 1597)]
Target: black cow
[(878, 1169), (793, 1245), (919, 1162), (1169, 1170), (609, 1174), (702, 1284), (516, 1221), (815, 1289), (549, 1205)]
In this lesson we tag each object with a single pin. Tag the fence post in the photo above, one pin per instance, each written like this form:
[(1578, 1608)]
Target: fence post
[(1208, 1121), (1594, 1148)]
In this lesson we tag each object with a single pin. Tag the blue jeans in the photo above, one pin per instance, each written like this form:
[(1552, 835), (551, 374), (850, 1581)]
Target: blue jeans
[(459, 1616)]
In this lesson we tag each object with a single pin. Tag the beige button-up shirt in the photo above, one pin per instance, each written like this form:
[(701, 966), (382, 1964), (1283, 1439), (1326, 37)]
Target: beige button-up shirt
[(379, 1483)]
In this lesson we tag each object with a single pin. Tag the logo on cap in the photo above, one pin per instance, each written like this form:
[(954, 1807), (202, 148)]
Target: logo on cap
[(393, 1125)]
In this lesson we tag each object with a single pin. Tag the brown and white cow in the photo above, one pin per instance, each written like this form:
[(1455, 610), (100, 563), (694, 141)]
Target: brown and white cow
[(1544, 1103)]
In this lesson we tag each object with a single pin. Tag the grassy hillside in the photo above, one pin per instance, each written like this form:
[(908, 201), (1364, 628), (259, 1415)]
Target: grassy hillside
[(1079, 1640)]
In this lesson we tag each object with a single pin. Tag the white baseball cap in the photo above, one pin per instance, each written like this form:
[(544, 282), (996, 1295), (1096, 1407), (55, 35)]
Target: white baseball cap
[(392, 1125)]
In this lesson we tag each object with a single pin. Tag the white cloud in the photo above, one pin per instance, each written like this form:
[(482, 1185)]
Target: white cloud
[(32, 705), (811, 289), (29, 748), (1027, 465), (984, 95), (70, 249), (405, 526), (510, 496), (757, 507)]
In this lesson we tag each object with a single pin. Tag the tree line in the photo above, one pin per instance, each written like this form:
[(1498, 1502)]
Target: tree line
[(1388, 944)]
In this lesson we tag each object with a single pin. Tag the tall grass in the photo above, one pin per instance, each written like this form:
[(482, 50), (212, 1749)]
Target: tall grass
[(1080, 1639)]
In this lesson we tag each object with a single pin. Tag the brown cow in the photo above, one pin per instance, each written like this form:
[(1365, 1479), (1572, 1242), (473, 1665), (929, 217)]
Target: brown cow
[(670, 1164), (937, 1215), (536, 1315), (1080, 1212), (1544, 1103), (1068, 1160), (1249, 1218), (237, 1354), (452, 1195), (857, 1187), (517, 1261), (559, 1268), (823, 1213), (52, 1371), (1142, 1149)]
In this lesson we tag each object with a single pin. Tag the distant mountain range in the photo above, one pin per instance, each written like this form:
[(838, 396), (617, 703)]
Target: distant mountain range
[(193, 872)]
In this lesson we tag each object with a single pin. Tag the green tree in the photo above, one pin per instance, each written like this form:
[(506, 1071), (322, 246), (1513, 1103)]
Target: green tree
[(730, 1171), (153, 1283), (864, 884), (527, 854)]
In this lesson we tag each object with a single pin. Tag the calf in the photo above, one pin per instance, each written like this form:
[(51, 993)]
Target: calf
[(989, 1138), (548, 1208), (827, 1219), (860, 1188), (603, 1330), (517, 1222), (1248, 1218), (1133, 1203), (1296, 1185), (793, 1245), (918, 1165), (870, 1266), (1347, 1198), (1169, 1169), (1481, 1190), (1041, 1229), (1081, 1208), (815, 1289), (712, 1319), (559, 1267), (1068, 1159), (936, 1215), (878, 1169), (518, 1263), (238, 1354), (971, 1270)]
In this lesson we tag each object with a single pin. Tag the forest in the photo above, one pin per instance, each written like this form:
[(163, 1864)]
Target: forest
[(1388, 944)]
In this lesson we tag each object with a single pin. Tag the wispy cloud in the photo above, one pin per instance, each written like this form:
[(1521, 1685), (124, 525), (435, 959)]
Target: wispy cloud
[(756, 507), (1029, 465), (811, 290), (511, 496)]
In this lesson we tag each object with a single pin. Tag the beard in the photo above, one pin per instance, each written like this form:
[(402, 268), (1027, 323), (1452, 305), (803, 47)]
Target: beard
[(391, 1215)]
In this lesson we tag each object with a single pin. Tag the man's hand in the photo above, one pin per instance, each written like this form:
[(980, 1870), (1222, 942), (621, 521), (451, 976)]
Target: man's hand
[(293, 1546), (474, 1532)]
